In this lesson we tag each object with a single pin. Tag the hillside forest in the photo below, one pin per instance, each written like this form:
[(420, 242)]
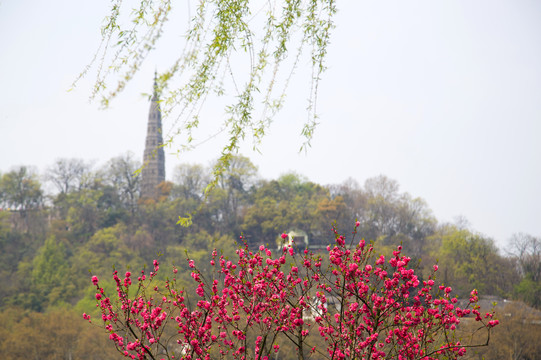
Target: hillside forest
[(74, 220)]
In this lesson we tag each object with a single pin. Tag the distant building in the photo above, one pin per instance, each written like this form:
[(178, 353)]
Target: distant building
[(153, 172), (298, 239)]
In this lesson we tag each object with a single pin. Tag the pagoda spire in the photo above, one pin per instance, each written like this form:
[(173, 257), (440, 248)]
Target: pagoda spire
[(155, 88), (153, 172)]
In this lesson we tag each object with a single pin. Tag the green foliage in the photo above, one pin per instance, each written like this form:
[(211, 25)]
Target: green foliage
[(103, 251), (470, 260), (283, 204), (20, 193), (50, 274), (8, 244), (20, 190), (529, 291)]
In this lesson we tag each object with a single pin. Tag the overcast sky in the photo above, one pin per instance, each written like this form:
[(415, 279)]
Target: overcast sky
[(444, 97)]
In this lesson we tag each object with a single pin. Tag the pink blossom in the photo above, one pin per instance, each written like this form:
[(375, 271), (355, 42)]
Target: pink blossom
[(368, 268), (257, 294), (493, 323)]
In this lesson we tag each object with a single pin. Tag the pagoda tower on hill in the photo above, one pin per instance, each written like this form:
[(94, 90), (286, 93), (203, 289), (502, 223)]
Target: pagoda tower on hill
[(153, 172)]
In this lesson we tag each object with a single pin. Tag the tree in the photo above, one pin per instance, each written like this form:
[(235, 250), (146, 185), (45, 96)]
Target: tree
[(51, 279), (388, 216), (330, 210), (471, 260), (20, 192), (383, 198), (83, 213), (68, 174), (122, 174), (236, 182), (355, 199), (359, 305), (527, 251), (291, 202), (267, 36), (190, 181)]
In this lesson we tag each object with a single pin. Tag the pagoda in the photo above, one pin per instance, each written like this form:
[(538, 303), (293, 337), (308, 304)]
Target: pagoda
[(153, 172)]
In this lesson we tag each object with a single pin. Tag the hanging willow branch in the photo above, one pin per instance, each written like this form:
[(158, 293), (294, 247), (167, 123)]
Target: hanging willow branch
[(269, 36)]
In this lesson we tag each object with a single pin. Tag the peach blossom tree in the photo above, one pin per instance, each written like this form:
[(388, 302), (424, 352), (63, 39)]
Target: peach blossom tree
[(348, 304)]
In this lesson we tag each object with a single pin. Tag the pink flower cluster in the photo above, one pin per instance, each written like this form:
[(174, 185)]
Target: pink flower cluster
[(363, 306)]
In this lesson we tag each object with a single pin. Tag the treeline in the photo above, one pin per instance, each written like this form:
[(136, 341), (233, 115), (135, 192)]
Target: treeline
[(58, 226)]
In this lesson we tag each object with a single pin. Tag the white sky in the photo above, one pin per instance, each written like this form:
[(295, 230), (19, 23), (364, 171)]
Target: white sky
[(444, 97)]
